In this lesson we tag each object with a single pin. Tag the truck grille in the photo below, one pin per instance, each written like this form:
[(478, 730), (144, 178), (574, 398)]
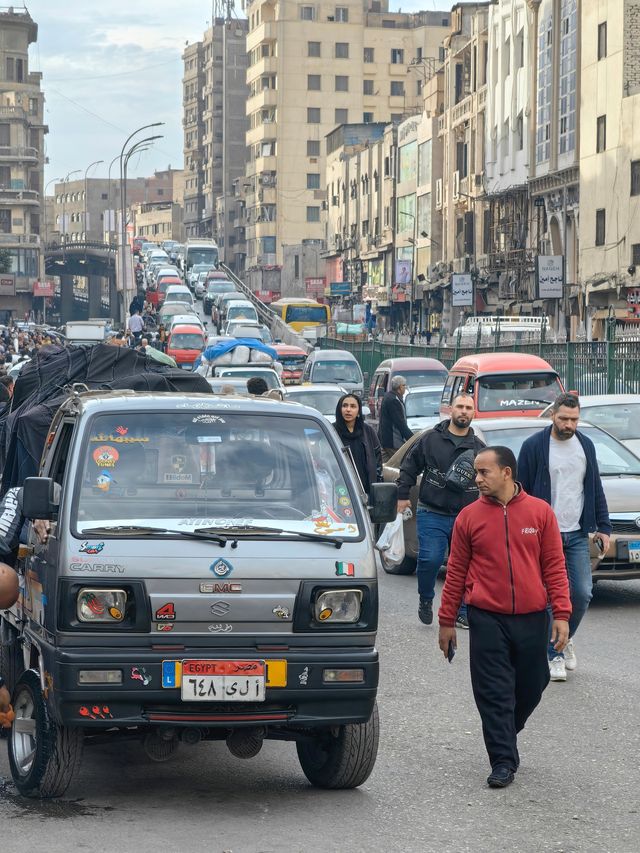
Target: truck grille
[(625, 526)]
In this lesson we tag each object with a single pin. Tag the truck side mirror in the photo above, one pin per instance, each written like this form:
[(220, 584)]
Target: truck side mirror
[(40, 498), (383, 502)]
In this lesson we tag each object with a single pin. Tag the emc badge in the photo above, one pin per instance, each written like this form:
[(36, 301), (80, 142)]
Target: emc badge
[(221, 568)]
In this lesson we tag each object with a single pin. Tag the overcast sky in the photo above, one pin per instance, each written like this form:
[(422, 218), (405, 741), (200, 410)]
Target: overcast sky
[(111, 66)]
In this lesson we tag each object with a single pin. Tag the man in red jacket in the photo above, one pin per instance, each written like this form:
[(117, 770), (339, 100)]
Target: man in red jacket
[(506, 560)]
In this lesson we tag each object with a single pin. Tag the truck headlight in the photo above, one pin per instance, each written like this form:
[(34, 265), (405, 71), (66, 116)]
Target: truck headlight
[(101, 605), (338, 605)]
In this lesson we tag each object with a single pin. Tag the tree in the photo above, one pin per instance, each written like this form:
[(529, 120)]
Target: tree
[(5, 260)]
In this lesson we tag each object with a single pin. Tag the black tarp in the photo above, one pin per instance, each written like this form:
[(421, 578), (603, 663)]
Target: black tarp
[(45, 382)]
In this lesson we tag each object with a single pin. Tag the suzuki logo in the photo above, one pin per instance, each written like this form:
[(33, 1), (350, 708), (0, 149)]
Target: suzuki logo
[(220, 608)]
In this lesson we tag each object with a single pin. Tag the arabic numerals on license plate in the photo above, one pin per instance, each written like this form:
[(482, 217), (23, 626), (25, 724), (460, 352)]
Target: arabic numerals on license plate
[(223, 688)]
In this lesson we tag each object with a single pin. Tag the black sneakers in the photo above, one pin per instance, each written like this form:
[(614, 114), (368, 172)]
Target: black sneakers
[(425, 610), (500, 777)]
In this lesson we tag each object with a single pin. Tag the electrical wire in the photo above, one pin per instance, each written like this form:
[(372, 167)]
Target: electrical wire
[(115, 74)]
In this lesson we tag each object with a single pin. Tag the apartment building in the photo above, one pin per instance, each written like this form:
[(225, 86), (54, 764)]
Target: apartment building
[(359, 207), (554, 154), (214, 96), (313, 67), (22, 131), (609, 226), (460, 191), (507, 261), (88, 209)]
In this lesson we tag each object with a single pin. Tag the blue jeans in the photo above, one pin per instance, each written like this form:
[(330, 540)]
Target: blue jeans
[(434, 536), (576, 553)]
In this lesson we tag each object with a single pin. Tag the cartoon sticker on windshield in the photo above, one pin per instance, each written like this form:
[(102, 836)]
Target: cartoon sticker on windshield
[(105, 456), (103, 481)]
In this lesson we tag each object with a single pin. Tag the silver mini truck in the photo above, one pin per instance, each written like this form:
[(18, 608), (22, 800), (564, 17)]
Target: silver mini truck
[(210, 575)]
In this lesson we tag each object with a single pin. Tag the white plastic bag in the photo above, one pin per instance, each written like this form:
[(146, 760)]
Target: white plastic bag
[(391, 541)]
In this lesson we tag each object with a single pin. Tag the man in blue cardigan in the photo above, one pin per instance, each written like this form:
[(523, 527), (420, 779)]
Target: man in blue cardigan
[(559, 465)]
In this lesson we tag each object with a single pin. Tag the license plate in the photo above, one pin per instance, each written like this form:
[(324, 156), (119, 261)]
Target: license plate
[(634, 551), (223, 681)]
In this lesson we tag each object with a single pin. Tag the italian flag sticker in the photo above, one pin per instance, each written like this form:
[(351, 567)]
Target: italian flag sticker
[(345, 569)]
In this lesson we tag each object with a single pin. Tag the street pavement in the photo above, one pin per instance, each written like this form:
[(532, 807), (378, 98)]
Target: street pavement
[(576, 791)]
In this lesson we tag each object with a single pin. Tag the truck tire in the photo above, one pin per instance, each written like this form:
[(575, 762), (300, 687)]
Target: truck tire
[(43, 756), (343, 760), (406, 567)]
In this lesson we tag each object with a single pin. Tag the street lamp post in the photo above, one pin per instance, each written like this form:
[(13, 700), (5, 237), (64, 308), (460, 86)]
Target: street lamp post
[(122, 229), (64, 206), (117, 157), (86, 193), (44, 210)]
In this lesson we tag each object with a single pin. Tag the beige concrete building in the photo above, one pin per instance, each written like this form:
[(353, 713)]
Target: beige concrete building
[(461, 128), (214, 119), (609, 227), (22, 131), (313, 67), (554, 153)]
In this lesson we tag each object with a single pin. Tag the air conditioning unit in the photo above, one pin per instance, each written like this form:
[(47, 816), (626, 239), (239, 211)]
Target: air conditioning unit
[(477, 179), (439, 194), (324, 205), (456, 185), (334, 200)]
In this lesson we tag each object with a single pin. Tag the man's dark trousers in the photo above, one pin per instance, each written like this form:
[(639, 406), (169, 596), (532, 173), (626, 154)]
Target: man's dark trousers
[(509, 672)]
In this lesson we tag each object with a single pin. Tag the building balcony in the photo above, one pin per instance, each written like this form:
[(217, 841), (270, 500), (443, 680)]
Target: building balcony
[(267, 31), (16, 196), (461, 111), (442, 124), (19, 239), (30, 155), (16, 113), (259, 133), (266, 65), (265, 164), (263, 98), (267, 195), (264, 229)]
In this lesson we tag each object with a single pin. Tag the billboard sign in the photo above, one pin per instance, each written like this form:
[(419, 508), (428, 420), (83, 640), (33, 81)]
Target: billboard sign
[(550, 276), (403, 272), (461, 290), (340, 288), (43, 288), (315, 286), (7, 284)]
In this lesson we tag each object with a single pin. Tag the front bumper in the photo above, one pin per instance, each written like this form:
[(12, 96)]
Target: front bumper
[(302, 701)]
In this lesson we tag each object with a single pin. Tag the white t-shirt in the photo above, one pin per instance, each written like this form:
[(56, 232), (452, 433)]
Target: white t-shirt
[(567, 466)]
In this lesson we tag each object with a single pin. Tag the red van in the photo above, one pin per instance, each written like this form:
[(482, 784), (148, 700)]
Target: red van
[(292, 360), (157, 295), (502, 384), (185, 343)]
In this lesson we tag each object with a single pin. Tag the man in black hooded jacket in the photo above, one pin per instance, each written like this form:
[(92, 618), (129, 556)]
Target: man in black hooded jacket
[(444, 456)]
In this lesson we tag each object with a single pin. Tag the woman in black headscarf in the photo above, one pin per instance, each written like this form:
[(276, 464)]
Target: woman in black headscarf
[(361, 439)]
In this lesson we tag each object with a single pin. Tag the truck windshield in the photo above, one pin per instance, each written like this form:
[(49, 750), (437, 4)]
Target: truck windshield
[(185, 470), (187, 340), (502, 392)]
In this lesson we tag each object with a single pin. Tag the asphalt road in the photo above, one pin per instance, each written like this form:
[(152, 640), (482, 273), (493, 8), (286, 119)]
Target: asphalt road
[(577, 789)]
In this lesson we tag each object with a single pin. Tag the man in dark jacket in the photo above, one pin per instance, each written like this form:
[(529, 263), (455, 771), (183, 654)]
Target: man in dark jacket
[(506, 559), (559, 465), (444, 456), (393, 429)]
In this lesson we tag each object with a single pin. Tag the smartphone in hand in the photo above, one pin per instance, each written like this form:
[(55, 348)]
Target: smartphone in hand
[(451, 651)]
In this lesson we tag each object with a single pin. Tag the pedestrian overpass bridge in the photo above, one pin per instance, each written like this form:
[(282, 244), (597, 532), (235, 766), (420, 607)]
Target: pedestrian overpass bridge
[(95, 261)]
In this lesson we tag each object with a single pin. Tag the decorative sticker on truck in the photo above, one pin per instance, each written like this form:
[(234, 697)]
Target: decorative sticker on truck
[(105, 456)]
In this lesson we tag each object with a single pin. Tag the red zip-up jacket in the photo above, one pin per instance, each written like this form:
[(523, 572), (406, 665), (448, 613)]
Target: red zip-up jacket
[(506, 559)]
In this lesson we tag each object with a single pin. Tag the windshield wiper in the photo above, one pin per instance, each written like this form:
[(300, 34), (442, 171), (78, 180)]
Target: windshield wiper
[(141, 530), (254, 530)]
